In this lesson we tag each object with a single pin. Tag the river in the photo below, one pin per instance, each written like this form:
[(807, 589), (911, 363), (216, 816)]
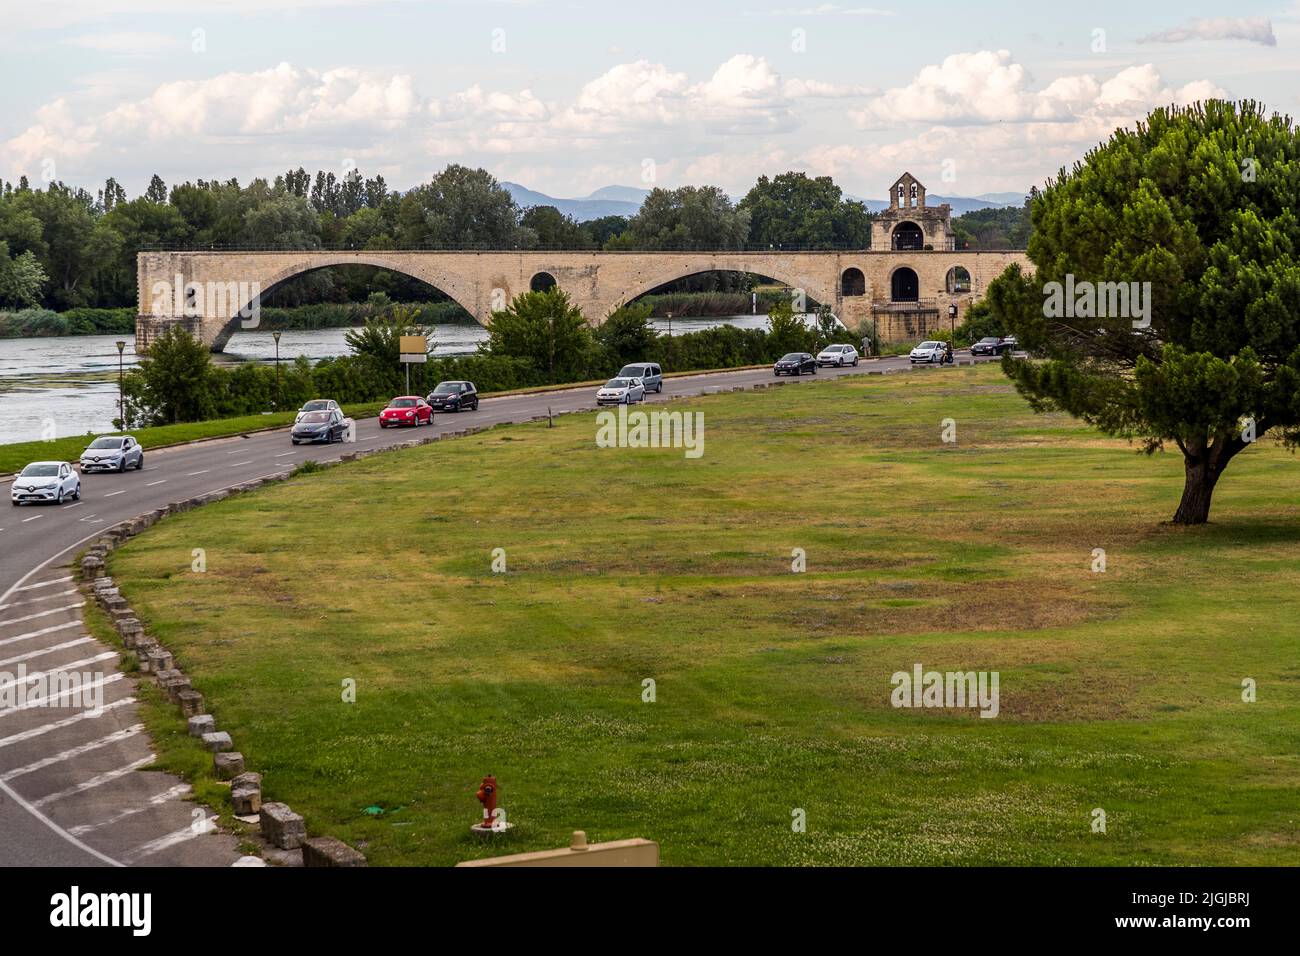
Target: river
[(52, 387)]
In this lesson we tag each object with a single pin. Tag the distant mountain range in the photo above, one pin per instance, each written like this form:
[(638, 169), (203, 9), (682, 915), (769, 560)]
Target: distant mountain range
[(626, 200)]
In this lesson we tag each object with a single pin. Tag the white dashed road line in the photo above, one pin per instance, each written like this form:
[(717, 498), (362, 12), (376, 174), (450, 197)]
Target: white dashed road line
[(161, 481), (175, 793), (32, 617), (236, 464), (73, 752), (42, 632), (46, 650), (112, 493), (32, 518), (203, 472), (44, 584), (162, 843), (65, 722), (96, 781), (49, 699)]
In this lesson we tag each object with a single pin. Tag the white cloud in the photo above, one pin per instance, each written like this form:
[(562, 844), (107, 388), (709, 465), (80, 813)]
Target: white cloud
[(822, 10), (989, 87), (1251, 29)]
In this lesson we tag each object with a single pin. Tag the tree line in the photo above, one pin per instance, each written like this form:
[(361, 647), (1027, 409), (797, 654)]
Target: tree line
[(64, 248)]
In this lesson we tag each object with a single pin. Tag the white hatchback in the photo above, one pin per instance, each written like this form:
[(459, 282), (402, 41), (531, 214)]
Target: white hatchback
[(46, 481), (838, 355), (621, 391)]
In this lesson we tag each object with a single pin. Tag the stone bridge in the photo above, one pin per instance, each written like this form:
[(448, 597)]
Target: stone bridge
[(906, 293)]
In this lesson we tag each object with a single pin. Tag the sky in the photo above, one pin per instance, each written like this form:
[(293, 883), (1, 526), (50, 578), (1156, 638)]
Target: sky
[(566, 97)]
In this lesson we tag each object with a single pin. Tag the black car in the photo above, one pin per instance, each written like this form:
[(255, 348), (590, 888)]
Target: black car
[(454, 397), (326, 426), (795, 363), (992, 345)]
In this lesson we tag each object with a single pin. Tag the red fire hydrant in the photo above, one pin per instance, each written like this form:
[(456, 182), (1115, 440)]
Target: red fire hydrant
[(487, 795)]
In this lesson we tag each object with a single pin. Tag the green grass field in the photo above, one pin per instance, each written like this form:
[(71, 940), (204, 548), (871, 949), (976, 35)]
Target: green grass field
[(1119, 690)]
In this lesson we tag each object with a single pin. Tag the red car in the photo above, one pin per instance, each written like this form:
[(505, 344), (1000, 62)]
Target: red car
[(406, 410)]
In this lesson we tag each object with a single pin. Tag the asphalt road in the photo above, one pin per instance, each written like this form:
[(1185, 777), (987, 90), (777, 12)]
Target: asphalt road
[(36, 541)]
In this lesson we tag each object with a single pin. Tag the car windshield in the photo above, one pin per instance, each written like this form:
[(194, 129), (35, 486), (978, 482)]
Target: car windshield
[(928, 345), (41, 470), (402, 403), (447, 388), (106, 443), (315, 406), (618, 383), (791, 357), (315, 418), (989, 340), (631, 371)]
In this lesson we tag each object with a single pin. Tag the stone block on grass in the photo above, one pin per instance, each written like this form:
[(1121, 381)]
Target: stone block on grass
[(282, 827), (228, 765), (201, 724), (217, 741), (328, 851), (191, 702)]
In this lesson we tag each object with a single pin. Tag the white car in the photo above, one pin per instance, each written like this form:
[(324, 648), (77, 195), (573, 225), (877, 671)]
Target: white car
[(318, 405), (838, 355), (929, 352), (112, 453), (621, 391), (55, 481)]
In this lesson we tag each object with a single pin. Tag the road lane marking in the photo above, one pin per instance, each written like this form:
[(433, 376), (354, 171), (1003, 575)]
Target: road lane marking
[(46, 650), (203, 472), (65, 722), (48, 698), (41, 633), (175, 793), (39, 597), (236, 464), (72, 752), (161, 481), (75, 504), (97, 781), (44, 584), (112, 493), (32, 518), (32, 617), (283, 453), (36, 675), (163, 843)]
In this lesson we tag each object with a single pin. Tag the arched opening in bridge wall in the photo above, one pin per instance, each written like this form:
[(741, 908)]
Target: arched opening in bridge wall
[(853, 282), (904, 285), (542, 282), (957, 282), (313, 308), (710, 297), (907, 236)]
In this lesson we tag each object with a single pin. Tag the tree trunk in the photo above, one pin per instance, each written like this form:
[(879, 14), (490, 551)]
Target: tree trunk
[(1204, 462), (1198, 489)]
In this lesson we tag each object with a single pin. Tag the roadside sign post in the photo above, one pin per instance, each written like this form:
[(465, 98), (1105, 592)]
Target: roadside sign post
[(413, 348)]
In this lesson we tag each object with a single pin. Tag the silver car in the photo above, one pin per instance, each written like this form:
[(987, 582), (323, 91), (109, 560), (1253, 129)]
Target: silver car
[(112, 453), (45, 481), (838, 355), (621, 391), (317, 405), (650, 374)]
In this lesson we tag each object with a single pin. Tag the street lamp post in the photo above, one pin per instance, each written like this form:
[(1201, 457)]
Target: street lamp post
[(952, 319), (670, 325), (121, 398), (276, 336)]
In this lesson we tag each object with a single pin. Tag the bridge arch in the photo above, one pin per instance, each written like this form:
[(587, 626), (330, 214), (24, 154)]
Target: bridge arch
[(815, 290), (444, 284), (542, 282)]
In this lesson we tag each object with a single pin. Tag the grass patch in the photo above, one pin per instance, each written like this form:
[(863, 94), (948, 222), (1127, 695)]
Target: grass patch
[(1119, 690)]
